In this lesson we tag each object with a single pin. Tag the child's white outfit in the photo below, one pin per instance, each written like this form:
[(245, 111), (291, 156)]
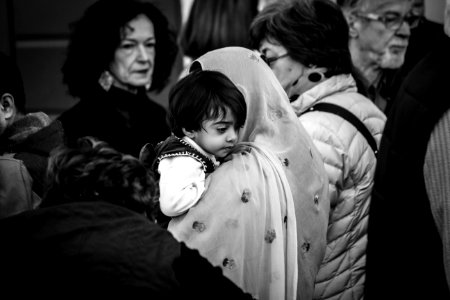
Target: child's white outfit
[(183, 167)]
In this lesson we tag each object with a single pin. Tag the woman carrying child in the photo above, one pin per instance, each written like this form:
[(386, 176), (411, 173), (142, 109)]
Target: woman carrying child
[(264, 213)]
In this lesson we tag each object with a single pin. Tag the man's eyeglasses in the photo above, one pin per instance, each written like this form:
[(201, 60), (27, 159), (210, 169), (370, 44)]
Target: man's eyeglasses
[(392, 21), (270, 60)]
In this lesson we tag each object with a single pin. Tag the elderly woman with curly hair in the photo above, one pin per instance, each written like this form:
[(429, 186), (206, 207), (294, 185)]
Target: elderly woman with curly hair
[(118, 51)]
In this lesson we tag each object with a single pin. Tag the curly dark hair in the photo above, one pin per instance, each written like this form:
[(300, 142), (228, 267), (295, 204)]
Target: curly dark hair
[(96, 36), (93, 171), (314, 32)]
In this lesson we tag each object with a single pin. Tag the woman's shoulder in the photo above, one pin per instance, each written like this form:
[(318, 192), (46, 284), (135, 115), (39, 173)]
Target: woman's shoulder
[(361, 107), (354, 102), (83, 107)]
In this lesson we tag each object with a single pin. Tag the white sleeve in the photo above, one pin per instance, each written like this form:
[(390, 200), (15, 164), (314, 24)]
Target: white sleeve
[(181, 184)]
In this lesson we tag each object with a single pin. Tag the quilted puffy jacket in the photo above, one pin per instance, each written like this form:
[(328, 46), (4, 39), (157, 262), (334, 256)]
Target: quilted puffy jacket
[(350, 164)]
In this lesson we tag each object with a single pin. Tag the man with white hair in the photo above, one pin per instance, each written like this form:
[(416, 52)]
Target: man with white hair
[(426, 34), (377, 28)]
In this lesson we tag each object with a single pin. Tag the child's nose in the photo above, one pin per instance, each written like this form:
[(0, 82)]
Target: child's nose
[(232, 136)]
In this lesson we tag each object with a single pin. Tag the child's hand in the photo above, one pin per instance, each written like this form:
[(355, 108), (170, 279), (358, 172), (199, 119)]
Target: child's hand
[(239, 148)]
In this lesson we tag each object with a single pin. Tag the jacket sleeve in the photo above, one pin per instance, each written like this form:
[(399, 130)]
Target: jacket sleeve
[(181, 184), (16, 193)]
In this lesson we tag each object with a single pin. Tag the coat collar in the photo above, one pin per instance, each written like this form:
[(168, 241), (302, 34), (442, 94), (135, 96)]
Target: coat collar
[(336, 84)]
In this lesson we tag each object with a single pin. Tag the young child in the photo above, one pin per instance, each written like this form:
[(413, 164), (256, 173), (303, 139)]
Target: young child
[(206, 111)]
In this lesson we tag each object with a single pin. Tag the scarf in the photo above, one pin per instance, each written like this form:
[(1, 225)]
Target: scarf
[(264, 215)]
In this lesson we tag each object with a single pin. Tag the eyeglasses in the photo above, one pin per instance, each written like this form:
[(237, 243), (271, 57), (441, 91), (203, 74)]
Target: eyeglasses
[(270, 60), (392, 21)]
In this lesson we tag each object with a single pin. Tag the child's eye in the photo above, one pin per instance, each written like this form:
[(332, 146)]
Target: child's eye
[(222, 129)]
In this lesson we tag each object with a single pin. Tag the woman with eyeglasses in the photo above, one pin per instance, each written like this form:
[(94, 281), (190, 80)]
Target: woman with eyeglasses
[(306, 45), (379, 35)]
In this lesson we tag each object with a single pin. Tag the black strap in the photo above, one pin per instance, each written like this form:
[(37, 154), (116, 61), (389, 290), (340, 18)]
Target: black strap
[(348, 116)]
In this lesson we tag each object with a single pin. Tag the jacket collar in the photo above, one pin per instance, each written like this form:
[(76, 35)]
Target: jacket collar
[(336, 84), (199, 149)]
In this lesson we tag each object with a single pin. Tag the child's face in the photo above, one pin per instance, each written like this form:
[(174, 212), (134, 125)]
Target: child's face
[(218, 136)]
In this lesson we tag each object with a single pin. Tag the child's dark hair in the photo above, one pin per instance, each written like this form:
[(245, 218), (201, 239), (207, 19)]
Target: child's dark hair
[(204, 95)]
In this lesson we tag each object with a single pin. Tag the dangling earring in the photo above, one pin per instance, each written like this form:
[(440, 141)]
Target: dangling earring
[(315, 76), (106, 80)]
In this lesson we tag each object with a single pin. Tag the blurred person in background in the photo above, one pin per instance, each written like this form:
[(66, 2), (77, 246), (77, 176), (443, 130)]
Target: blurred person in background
[(119, 50), (26, 140), (379, 32), (216, 24), (425, 36)]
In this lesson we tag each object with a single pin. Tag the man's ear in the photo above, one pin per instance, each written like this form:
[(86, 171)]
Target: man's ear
[(7, 106), (352, 23), (189, 133)]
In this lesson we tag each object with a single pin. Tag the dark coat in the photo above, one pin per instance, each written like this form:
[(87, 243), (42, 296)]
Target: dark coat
[(97, 249), (404, 253), (36, 150), (33, 149), (125, 121)]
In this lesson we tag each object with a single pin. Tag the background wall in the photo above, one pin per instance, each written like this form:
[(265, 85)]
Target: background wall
[(41, 32)]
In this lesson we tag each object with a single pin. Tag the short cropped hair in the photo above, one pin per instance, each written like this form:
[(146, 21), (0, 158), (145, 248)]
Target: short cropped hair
[(93, 171), (314, 32), (204, 95), (96, 36), (11, 81)]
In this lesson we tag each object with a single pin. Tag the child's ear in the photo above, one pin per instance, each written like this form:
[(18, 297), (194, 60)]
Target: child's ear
[(189, 133), (7, 106)]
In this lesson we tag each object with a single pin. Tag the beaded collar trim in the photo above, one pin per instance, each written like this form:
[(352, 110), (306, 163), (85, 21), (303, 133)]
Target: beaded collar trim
[(174, 146)]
